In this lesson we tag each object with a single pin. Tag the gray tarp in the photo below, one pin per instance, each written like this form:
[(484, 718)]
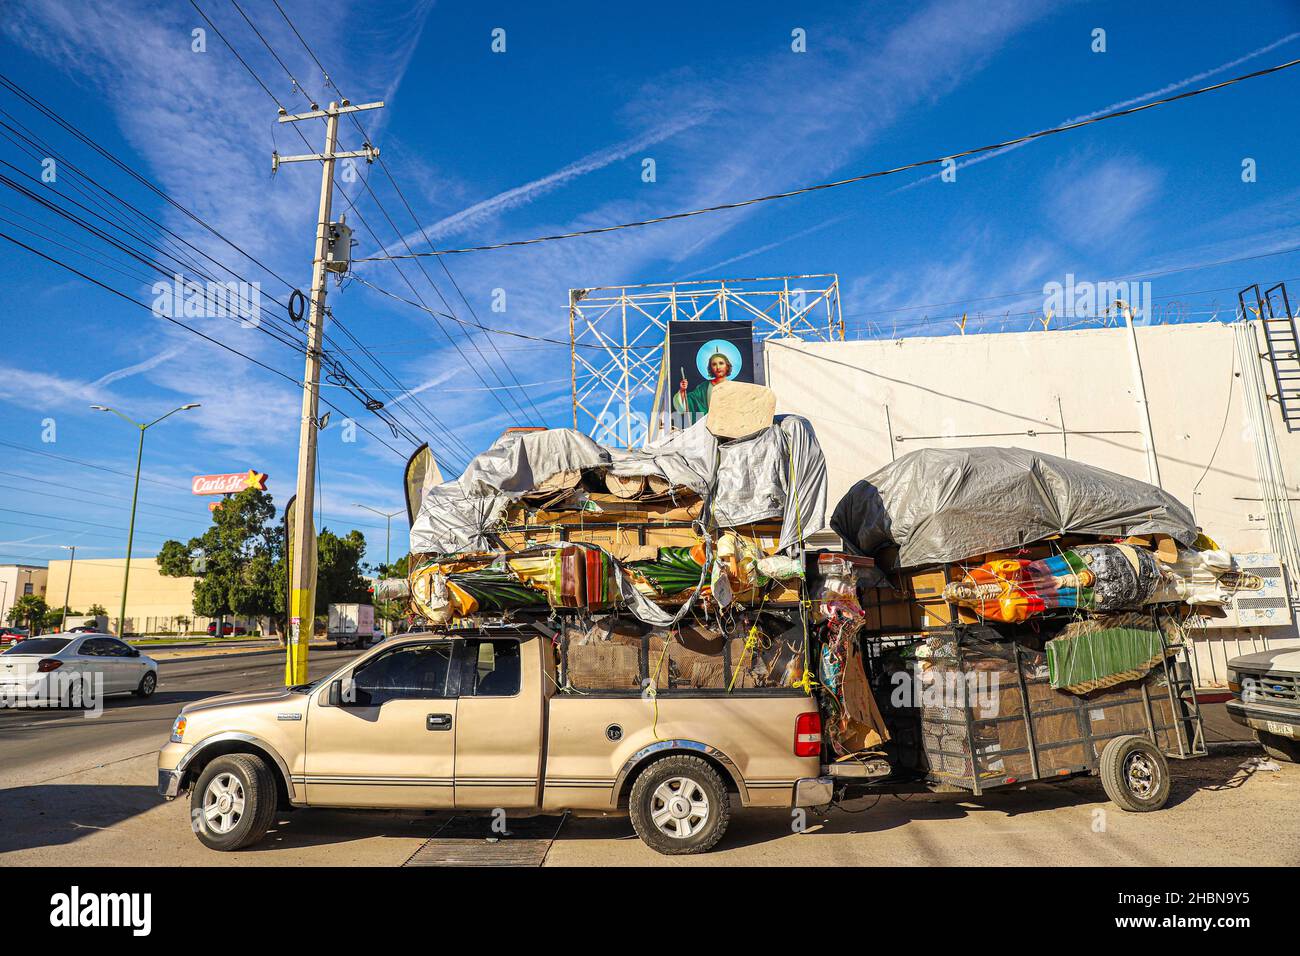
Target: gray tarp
[(949, 504), (752, 479)]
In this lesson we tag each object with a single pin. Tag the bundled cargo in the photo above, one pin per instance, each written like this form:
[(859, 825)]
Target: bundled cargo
[(1017, 614), (553, 520)]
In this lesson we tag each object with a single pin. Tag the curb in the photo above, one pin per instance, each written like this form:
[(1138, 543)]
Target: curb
[(1230, 745)]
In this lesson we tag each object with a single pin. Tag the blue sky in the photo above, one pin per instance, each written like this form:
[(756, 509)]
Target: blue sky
[(550, 136)]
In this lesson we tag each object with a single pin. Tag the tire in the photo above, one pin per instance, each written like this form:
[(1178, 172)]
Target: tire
[(250, 812), (1279, 747), (148, 684), (1135, 774), (674, 786)]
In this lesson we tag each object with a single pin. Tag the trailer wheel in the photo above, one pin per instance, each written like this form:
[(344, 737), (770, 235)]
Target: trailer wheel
[(679, 805), (1135, 774), (1279, 747)]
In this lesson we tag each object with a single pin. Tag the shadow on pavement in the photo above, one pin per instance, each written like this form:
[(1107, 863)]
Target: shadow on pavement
[(60, 814)]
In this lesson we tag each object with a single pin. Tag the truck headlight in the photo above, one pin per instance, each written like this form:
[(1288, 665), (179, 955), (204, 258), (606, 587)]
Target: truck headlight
[(178, 730)]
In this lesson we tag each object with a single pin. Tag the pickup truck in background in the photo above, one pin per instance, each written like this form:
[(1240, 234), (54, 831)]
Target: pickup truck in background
[(351, 625), (475, 722), (1266, 698)]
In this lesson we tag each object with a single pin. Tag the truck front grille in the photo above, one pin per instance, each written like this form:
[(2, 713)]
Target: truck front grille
[(1280, 689)]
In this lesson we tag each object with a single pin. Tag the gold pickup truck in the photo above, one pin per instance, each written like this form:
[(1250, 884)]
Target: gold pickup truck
[(476, 721)]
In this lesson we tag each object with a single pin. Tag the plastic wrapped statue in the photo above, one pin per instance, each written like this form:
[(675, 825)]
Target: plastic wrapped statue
[(1102, 577)]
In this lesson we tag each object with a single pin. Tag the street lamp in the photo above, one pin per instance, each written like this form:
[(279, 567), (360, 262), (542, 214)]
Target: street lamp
[(130, 534), (388, 537), (67, 591), (388, 534)]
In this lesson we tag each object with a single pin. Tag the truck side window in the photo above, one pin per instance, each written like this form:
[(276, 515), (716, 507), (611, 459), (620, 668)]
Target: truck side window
[(416, 672), (491, 668)]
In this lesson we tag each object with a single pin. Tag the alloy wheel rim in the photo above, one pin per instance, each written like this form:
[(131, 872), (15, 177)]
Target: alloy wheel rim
[(223, 803), (679, 807)]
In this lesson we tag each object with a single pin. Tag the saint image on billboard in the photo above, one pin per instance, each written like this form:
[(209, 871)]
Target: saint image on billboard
[(717, 361)]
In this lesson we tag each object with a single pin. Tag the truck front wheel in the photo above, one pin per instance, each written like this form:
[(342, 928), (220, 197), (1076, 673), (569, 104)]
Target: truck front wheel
[(233, 802), (679, 805)]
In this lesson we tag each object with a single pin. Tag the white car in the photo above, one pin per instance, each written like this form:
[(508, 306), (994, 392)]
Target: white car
[(28, 670)]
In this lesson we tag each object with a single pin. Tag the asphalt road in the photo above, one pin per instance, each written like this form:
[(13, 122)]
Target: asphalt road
[(34, 742), (76, 792)]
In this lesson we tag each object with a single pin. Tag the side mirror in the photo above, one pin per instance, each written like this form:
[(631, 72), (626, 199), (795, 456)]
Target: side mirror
[(336, 693), (135, 652)]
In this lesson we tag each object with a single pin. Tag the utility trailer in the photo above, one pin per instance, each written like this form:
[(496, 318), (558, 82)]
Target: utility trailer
[(1007, 726)]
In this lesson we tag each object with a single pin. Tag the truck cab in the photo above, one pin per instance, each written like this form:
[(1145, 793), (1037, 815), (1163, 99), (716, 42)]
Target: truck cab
[(474, 720)]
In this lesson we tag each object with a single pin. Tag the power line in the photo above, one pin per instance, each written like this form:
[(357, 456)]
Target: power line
[(415, 219), (1066, 127), (439, 429), (286, 331), (217, 342)]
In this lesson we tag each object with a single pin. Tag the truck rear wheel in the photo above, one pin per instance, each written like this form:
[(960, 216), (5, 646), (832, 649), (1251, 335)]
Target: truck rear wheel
[(233, 802), (1135, 774), (1278, 747), (679, 805)]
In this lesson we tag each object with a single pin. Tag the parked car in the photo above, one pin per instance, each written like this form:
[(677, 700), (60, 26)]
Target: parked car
[(26, 668), (1266, 698), (13, 634), (83, 629), (430, 721), (227, 629)]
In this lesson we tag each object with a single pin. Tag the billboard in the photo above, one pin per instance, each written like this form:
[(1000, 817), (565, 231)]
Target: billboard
[(700, 355)]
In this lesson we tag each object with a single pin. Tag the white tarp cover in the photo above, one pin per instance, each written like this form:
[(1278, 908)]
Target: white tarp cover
[(949, 504), (752, 479)]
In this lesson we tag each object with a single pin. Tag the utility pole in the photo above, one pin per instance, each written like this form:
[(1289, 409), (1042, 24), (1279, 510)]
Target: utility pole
[(67, 591), (302, 575)]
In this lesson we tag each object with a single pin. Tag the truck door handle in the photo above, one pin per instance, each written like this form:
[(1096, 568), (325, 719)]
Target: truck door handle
[(438, 722)]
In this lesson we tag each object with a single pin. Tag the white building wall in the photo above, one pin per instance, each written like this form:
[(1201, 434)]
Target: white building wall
[(1016, 389)]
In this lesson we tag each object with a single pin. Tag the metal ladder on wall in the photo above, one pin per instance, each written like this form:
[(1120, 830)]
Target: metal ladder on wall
[(1273, 309)]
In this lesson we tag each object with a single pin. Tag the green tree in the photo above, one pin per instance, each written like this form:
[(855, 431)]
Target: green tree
[(398, 569), (97, 610), (54, 617), (238, 560), (29, 610), (338, 569)]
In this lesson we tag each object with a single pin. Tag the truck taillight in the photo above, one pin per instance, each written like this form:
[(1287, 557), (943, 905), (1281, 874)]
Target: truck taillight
[(808, 735), (48, 664)]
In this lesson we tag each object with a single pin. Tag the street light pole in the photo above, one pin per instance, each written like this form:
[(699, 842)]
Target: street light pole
[(135, 495), (67, 590), (388, 535)]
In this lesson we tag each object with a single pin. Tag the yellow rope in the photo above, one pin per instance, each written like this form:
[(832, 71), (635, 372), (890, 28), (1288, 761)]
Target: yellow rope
[(751, 643), (653, 689)]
